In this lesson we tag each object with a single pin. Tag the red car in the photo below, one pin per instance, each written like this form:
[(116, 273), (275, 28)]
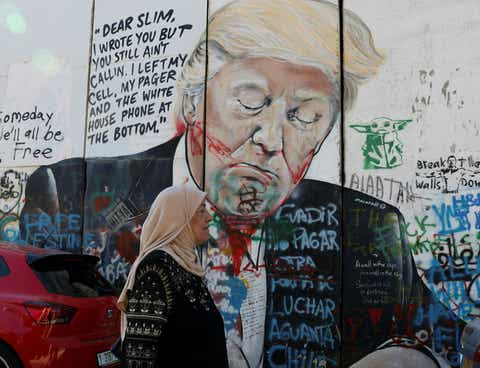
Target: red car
[(56, 310)]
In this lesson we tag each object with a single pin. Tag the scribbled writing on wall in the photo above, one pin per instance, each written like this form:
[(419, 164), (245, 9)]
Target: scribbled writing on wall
[(449, 174), (133, 72), (387, 302), (444, 241), (387, 189), (30, 135), (302, 283)]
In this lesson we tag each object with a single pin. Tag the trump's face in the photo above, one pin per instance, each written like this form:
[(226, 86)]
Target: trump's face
[(264, 120)]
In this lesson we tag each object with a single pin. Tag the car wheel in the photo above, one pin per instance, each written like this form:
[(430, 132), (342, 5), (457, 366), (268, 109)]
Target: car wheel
[(8, 359)]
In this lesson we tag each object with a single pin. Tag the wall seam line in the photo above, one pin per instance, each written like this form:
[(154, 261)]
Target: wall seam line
[(84, 158), (342, 172), (204, 137)]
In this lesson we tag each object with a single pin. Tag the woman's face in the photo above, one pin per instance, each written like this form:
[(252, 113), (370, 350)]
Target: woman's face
[(199, 223)]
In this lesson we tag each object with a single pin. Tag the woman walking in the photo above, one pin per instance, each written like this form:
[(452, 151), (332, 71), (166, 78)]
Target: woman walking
[(169, 318)]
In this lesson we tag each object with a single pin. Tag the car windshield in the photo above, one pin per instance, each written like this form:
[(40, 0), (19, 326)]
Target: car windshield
[(71, 276)]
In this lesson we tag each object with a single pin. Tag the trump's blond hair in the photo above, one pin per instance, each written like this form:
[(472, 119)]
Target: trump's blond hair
[(297, 31)]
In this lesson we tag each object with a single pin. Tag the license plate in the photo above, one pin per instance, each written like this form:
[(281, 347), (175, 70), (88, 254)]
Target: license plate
[(106, 358)]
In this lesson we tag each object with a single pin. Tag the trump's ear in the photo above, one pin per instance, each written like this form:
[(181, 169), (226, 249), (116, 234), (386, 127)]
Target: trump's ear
[(190, 108), (217, 58)]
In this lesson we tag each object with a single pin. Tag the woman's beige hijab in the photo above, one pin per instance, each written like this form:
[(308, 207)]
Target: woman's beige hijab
[(167, 227)]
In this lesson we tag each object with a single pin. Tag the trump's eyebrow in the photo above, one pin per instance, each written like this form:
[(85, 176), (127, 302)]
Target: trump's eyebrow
[(306, 94), (255, 83)]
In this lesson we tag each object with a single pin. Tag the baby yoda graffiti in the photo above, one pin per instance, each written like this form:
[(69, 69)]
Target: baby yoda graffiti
[(382, 148)]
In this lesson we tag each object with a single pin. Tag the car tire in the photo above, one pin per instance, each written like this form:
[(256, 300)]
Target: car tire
[(8, 359)]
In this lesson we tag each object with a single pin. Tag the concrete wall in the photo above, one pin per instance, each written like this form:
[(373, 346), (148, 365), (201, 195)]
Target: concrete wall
[(341, 221)]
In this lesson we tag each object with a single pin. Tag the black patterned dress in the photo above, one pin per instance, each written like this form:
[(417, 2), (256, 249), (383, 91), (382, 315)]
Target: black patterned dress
[(171, 319)]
